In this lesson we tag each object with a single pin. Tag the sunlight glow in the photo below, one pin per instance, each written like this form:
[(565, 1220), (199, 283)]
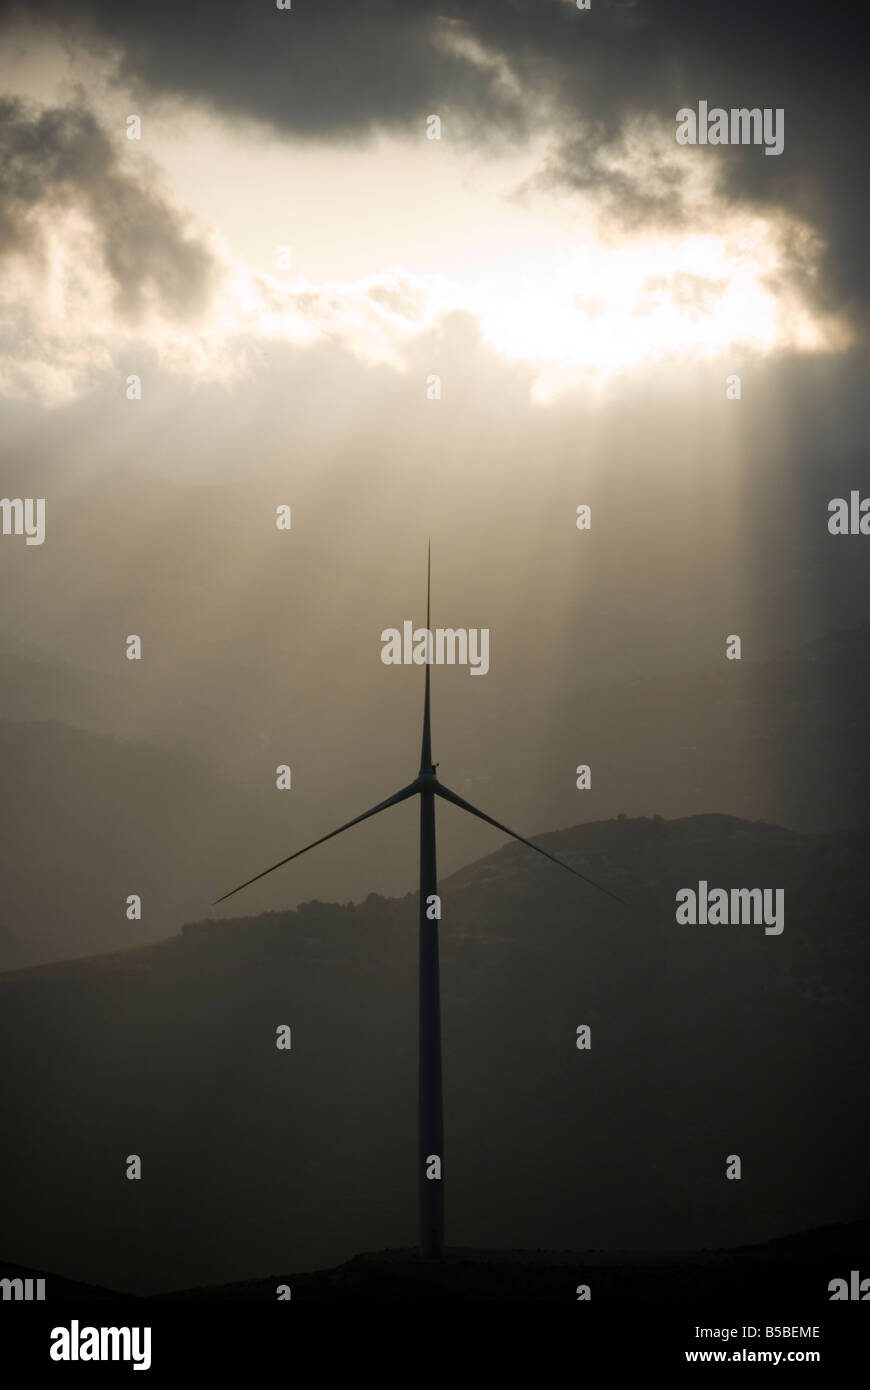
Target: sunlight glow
[(610, 307)]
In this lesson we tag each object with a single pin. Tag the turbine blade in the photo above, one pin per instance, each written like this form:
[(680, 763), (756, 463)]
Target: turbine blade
[(426, 743), (403, 795), (448, 795)]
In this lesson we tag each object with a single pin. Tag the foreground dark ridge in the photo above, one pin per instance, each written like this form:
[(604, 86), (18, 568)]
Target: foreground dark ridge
[(261, 1162), (795, 1268)]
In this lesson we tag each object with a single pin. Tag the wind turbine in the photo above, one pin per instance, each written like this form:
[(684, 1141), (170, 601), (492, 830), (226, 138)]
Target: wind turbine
[(431, 1122)]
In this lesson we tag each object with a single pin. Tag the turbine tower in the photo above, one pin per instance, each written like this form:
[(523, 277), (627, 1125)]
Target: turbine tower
[(431, 1120)]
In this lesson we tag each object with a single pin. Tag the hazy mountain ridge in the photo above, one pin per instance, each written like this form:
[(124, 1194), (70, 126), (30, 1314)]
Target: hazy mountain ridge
[(181, 786), (88, 819)]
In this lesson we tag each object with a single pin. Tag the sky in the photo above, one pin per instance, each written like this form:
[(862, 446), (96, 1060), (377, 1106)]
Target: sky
[(284, 188), (461, 338)]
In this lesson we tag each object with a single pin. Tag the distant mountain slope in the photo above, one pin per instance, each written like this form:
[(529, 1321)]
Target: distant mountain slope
[(85, 821), (706, 1042), (37, 686), (784, 739), (151, 780)]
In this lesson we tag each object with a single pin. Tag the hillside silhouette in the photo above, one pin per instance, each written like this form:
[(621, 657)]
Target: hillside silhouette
[(706, 1041), (127, 781)]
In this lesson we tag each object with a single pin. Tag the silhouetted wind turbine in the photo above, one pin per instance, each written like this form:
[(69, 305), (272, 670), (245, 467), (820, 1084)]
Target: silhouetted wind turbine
[(431, 1123)]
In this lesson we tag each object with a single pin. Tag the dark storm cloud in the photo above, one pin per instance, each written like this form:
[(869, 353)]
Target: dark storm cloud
[(59, 158), (586, 162), (341, 68)]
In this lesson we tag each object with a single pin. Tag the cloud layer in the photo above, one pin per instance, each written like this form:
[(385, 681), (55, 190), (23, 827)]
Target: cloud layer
[(60, 159), (340, 69)]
